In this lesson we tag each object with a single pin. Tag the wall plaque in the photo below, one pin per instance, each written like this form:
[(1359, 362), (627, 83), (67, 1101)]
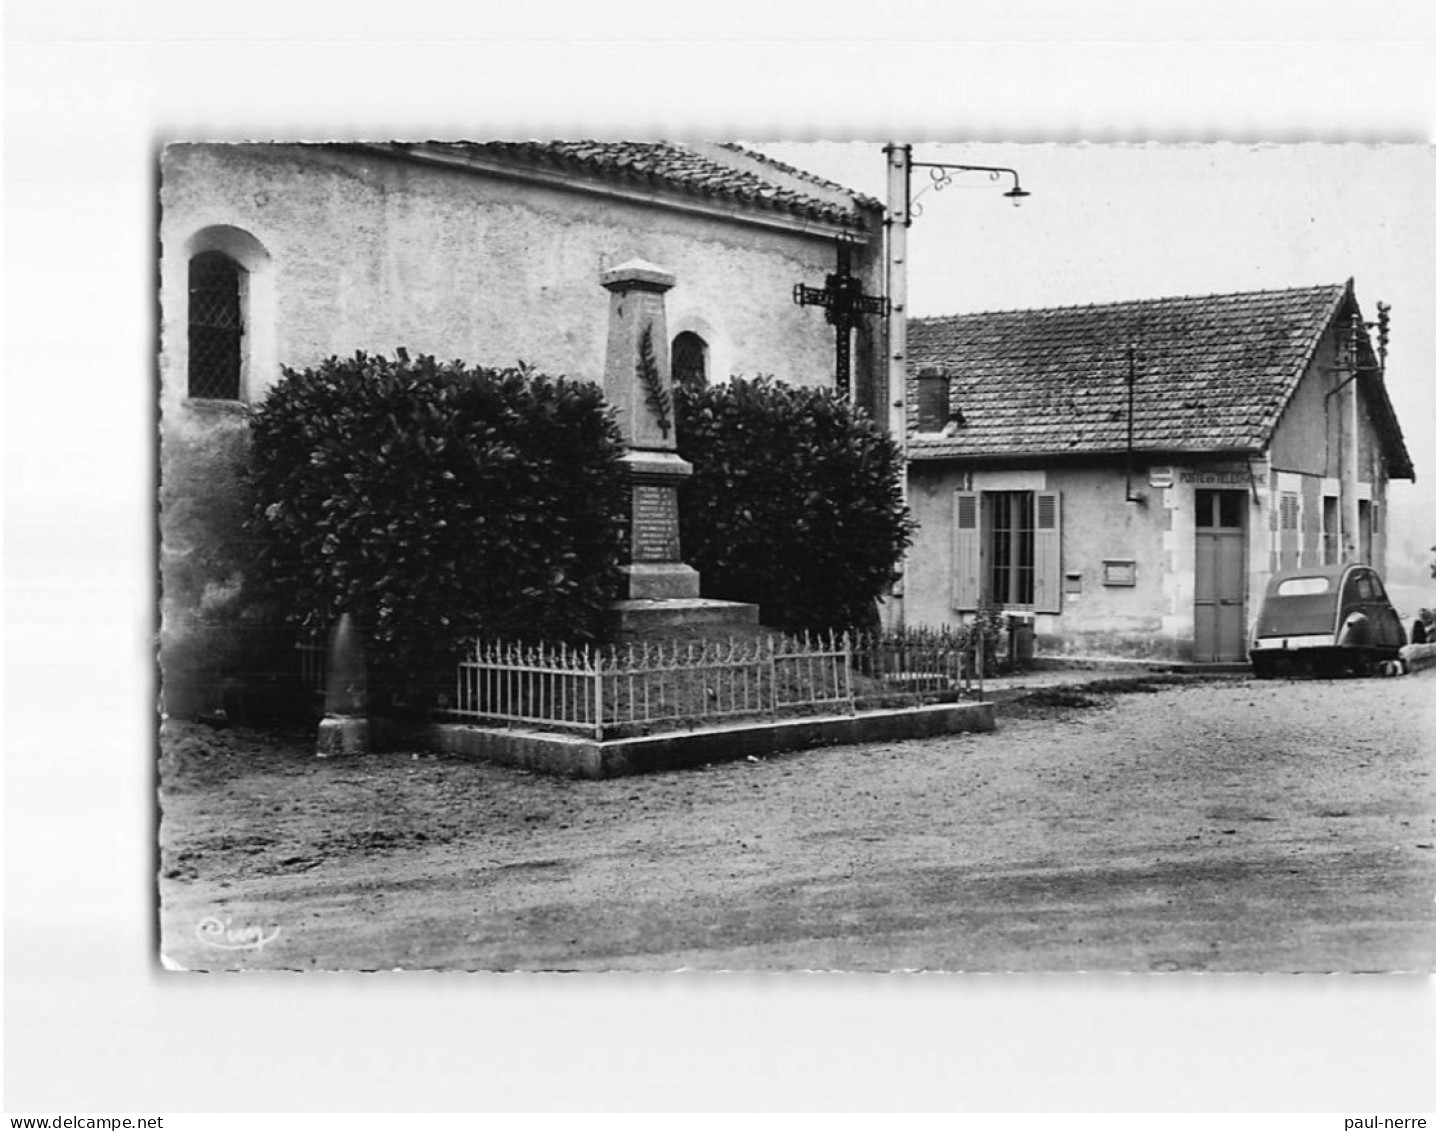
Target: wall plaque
[(1119, 571), (654, 534)]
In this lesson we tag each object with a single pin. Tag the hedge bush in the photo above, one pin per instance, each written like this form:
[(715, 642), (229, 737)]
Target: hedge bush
[(795, 502), (436, 502)]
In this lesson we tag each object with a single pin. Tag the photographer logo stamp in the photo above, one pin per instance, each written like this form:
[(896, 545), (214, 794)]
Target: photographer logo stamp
[(221, 934)]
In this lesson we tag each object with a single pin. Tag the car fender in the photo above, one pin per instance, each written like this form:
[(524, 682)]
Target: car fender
[(1355, 631)]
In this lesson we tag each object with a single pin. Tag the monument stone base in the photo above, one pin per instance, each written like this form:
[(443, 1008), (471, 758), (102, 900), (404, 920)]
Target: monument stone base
[(341, 736), (660, 581)]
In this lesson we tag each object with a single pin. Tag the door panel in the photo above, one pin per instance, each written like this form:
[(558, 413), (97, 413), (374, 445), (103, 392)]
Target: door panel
[(1220, 595)]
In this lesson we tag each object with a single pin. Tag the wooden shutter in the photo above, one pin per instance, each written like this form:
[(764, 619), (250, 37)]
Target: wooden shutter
[(1047, 554), (966, 551)]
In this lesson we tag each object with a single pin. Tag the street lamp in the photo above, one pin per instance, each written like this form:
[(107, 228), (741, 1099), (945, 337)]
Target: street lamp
[(941, 175), (901, 210)]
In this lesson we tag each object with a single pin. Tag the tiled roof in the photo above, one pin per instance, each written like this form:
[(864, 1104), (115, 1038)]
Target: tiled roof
[(1213, 374), (662, 165), (862, 198)]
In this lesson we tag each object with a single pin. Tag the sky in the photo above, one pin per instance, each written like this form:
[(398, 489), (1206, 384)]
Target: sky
[(1113, 222)]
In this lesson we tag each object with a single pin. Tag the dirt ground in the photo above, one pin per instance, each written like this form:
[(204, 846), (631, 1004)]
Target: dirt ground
[(1225, 825)]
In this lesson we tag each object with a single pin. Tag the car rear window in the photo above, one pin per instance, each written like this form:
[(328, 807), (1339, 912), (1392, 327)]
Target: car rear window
[(1303, 586)]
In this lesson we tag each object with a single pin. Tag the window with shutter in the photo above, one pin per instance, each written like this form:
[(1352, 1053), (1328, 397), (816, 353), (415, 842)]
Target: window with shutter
[(1007, 550)]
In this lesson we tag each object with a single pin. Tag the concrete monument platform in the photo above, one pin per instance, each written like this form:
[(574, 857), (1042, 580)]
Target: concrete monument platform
[(577, 756)]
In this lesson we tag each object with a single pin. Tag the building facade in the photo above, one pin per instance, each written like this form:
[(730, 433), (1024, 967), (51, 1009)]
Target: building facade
[(283, 255), (1126, 478)]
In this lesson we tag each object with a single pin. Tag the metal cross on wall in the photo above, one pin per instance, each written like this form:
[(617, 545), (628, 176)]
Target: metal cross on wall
[(846, 304)]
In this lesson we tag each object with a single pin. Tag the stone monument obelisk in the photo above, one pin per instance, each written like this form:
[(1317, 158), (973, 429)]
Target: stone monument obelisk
[(661, 592)]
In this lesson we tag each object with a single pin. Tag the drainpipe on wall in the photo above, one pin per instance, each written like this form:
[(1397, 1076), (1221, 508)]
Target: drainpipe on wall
[(1379, 476), (1346, 367), (1350, 507)]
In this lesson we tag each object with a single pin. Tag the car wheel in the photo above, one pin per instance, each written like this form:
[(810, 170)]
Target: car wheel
[(1365, 665)]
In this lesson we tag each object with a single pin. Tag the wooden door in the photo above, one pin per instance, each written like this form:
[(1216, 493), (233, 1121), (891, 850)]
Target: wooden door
[(1220, 631)]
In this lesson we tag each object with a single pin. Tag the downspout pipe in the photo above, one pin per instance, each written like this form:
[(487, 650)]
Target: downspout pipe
[(1132, 422)]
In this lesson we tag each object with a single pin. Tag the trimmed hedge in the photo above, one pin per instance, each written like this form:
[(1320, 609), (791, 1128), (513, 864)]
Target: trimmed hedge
[(436, 502), (795, 502)]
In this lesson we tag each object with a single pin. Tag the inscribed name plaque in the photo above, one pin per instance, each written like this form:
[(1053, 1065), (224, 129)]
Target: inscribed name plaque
[(655, 523), (1218, 476)]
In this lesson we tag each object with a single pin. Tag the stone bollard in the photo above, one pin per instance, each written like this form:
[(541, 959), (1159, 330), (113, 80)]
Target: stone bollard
[(345, 726)]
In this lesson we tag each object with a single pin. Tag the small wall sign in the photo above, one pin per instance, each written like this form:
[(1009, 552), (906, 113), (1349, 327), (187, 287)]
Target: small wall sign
[(1160, 477), (1121, 572), (1218, 476)]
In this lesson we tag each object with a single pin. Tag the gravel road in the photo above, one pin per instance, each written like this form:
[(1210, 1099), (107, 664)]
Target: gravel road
[(1224, 825)]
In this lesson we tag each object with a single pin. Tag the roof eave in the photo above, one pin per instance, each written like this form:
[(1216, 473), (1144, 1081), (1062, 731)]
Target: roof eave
[(670, 198), (1388, 427), (917, 454)]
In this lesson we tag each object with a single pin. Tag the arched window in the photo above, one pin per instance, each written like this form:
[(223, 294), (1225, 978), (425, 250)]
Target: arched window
[(219, 310), (216, 326), (690, 360)]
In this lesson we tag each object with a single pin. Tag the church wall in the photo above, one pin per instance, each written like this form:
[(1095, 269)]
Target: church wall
[(346, 252), (374, 253)]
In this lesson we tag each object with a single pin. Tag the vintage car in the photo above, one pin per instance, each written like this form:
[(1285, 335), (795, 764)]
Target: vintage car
[(1326, 619)]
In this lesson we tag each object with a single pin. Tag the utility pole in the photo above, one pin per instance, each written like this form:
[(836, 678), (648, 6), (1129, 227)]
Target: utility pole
[(899, 159), (901, 209)]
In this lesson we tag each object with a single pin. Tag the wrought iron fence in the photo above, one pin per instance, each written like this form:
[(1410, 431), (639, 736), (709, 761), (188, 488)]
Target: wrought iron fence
[(917, 665), (646, 687), (313, 659)]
